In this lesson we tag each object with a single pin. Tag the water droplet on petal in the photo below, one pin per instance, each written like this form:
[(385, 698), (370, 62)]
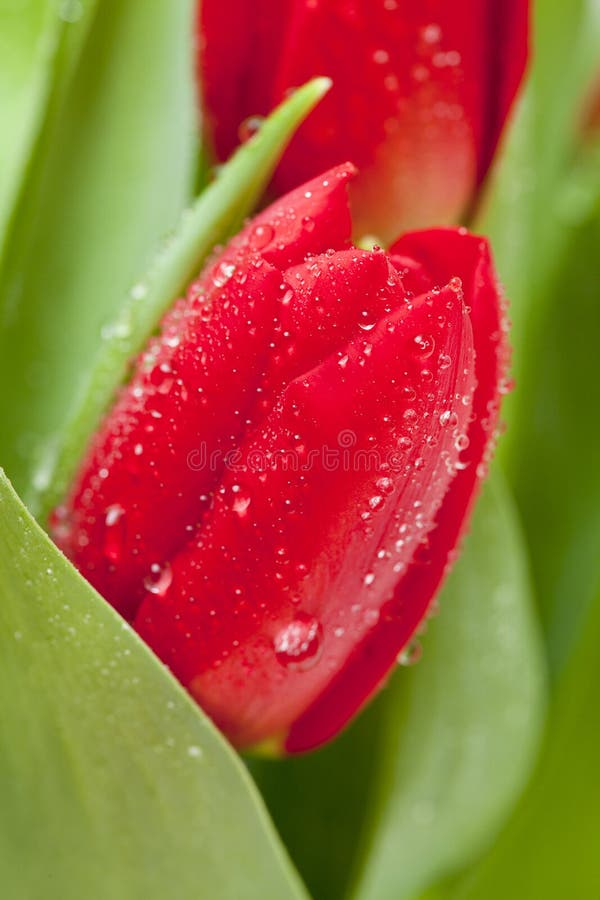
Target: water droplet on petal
[(424, 346), (261, 235), (449, 418), (223, 273), (385, 485), (298, 646), (240, 505), (114, 535), (159, 579)]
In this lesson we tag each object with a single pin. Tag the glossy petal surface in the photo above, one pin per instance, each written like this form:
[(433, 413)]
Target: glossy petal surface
[(421, 93)]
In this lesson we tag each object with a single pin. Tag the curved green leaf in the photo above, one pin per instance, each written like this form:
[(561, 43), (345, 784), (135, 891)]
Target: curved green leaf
[(40, 41), (29, 37), (113, 783), (550, 847)]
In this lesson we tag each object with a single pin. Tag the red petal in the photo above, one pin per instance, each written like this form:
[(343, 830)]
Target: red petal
[(239, 45), (294, 568), (145, 482), (421, 92), (331, 297), (312, 219), (442, 253)]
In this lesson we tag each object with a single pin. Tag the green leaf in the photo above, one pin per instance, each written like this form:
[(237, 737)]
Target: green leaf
[(544, 221), (112, 173), (39, 43), (430, 771), (550, 847), (554, 459), (29, 36), (216, 215), (525, 211), (113, 783)]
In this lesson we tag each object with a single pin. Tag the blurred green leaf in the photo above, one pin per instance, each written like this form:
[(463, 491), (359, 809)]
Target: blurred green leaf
[(319, 802), (215, 216), (39, 44), (29, 36), (113, 172), (427, 775), (114, 784), (541, 223), (524, 212), (550, 847), (555, 463)]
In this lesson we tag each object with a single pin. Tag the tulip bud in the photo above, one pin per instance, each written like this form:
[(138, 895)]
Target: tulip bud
[(277, 493), (421, 93)]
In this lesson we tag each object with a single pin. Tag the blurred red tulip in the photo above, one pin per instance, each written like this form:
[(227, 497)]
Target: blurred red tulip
[(420, 97), (276, 495)]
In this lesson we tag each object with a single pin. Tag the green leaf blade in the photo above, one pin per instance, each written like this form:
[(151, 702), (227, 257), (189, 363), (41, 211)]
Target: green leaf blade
[(113, 782)]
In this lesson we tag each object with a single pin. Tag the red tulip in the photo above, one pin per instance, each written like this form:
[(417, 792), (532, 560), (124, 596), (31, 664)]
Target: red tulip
[(276, 495), (420, 97)]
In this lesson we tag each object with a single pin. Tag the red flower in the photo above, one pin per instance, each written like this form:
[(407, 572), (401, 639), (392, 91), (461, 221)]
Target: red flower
[(277, 493), (421, 93)]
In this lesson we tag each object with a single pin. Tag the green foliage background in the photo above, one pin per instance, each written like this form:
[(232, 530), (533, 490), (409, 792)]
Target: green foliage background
[(474, 774)]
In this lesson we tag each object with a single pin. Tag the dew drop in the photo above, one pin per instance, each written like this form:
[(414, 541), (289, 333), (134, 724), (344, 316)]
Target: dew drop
[(298, 646), (194, 751), (431, 33), (371, 617), (114, 534), (411, 654), (261, 236), (59, 522), (223, 273), (159, 579), (138, 291), (424, 346), (381, 57), (385, 485), (449, 418), (240, 505), (249, 127)]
